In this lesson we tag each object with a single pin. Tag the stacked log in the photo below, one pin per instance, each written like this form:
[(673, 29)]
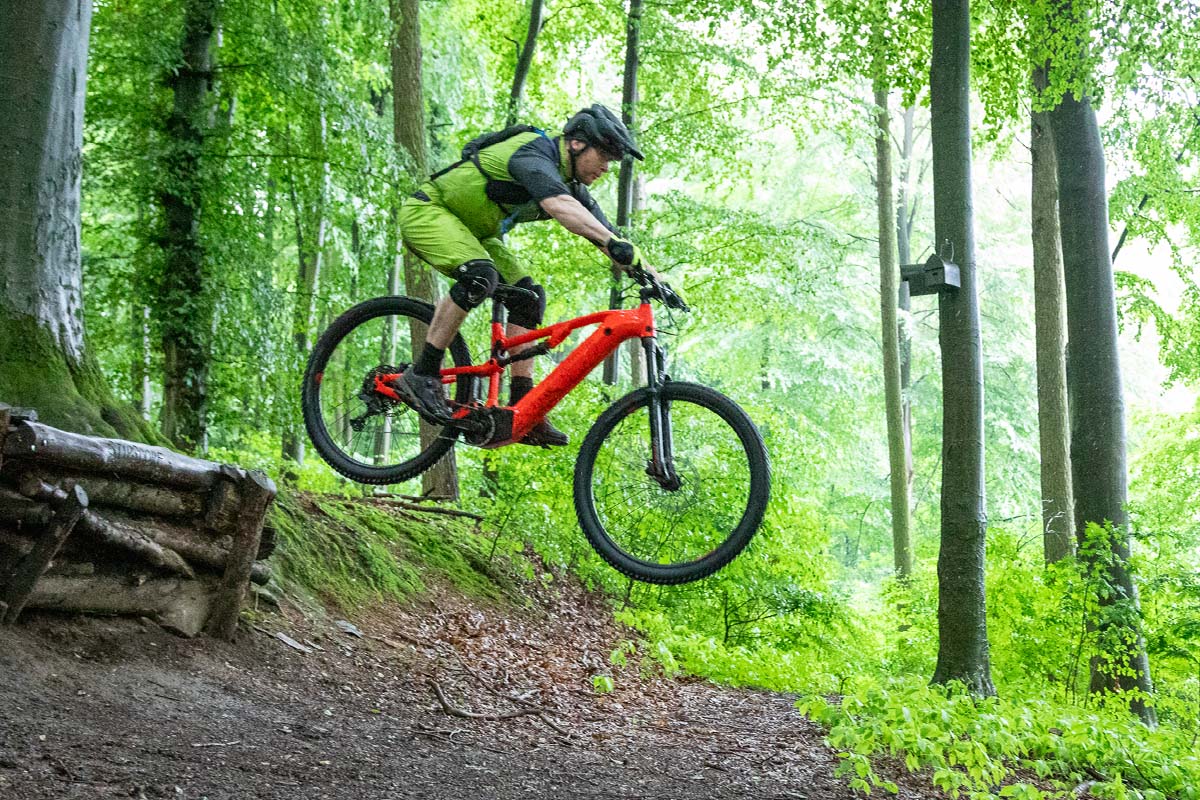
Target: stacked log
[(115, 527)]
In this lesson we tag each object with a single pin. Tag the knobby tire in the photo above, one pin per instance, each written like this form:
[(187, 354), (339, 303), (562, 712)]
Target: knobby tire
[(404, 309), (749, 446)]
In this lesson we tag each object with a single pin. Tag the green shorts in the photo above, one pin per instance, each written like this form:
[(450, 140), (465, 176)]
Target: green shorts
[(443, 241)]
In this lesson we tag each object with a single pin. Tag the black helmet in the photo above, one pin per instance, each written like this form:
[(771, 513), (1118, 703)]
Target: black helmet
[(601, 128)]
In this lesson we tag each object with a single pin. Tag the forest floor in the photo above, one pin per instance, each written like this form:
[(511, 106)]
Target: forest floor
[(99, 708)]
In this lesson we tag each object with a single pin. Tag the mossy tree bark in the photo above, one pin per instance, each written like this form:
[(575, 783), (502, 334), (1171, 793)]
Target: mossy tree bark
[(962, 609), (901, 538), (183, 306), (44, 363), (409, 118), (1050, 315)]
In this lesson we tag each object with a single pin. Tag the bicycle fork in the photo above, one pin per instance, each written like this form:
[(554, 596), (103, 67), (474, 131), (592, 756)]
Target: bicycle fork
[(661, 465)]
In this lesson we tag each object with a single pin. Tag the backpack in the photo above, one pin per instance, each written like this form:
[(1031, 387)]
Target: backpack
[(470, 151)]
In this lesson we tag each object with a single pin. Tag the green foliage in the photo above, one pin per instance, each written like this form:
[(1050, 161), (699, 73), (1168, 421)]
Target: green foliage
[(996, 747), (759, 205)]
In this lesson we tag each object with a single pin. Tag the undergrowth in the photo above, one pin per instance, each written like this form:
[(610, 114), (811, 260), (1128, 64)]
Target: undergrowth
[(859, 658), (353, 552), (1020, 747)]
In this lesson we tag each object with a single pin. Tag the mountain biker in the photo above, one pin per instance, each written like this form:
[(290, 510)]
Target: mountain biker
[(455, 222)]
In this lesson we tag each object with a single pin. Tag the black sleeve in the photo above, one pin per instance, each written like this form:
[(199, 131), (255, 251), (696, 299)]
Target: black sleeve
[(535, 166)]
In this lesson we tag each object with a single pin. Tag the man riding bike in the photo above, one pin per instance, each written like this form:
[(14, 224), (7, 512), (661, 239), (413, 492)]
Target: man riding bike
[(455, 222)]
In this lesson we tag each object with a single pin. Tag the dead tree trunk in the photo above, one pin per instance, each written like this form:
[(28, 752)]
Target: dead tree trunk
[(129, 528)]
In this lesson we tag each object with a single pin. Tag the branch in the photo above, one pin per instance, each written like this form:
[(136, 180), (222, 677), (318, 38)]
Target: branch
[(454, 711), (1146, 196), (727, 104)]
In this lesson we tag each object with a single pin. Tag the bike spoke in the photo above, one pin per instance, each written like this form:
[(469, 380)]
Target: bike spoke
[(652, 523)]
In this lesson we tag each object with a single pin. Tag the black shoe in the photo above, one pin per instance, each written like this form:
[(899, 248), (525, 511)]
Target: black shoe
[(544, 434), (425, 394)]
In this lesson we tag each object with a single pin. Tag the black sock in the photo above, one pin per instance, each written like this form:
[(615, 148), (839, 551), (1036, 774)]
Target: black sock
[(430, 360), (518, 387)]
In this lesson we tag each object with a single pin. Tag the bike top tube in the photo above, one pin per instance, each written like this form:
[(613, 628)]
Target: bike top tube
[(613, 328)]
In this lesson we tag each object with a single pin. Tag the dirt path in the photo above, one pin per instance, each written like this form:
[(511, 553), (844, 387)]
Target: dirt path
[(119, 708)]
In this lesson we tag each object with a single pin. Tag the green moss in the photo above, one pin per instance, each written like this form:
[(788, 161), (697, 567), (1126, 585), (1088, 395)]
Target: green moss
[(34, 373), (353, 552)]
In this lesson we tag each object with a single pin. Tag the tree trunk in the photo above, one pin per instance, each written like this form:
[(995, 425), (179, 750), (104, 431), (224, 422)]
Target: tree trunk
[(183, 306), (1049, 312), (625, 182), (901, 538), (310, 260), (962, 618), (904, 226), (524, 61), (1095, 394), (43, 360), (142, 350), (409, 132)]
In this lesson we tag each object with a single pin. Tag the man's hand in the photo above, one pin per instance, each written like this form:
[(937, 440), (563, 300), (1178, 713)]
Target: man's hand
[(672, 298), (625, 252)]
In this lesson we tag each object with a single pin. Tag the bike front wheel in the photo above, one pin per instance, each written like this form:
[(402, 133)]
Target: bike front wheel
[(670, 532), (361, 433)]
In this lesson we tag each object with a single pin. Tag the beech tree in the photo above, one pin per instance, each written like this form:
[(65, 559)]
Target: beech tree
[(1058, 540), (962, 609), (44, 361), (410, 132), (1095, 393), (625, 180), (898, 460)]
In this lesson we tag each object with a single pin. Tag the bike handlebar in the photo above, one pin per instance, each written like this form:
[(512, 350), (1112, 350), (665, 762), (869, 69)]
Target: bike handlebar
[(654, 288)]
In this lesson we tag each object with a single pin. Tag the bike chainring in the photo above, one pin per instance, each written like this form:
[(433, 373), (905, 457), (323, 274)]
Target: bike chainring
[(486, 426)]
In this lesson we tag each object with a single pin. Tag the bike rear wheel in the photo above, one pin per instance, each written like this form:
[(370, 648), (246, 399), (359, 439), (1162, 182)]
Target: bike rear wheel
[(664, 535), (361, 433)]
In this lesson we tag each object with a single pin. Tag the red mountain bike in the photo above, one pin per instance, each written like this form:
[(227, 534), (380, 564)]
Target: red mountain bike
[(671, 482)]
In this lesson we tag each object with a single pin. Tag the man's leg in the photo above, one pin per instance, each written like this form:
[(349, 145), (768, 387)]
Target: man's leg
[(447, 319), (441, 240), (421, 384), (524, 314)]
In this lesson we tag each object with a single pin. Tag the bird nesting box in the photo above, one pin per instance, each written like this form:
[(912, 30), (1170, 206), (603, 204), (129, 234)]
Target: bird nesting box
[(933, 276)]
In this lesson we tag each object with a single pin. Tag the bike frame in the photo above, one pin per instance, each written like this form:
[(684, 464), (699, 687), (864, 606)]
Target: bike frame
[(613, 328)]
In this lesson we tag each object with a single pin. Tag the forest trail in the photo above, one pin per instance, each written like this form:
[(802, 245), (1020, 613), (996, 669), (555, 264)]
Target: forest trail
[(114, 708)]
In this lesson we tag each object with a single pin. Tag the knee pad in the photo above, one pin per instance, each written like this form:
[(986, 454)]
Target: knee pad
[(527, 311), (474, 282)]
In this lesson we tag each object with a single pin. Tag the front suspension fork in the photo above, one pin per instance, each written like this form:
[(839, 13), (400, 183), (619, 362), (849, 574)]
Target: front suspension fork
[(661, 466)]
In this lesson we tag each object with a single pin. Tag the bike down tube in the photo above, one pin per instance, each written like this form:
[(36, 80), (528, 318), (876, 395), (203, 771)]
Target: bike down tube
[(614, 328)]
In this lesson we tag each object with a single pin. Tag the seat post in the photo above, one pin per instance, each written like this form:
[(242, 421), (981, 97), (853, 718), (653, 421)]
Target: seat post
[(499, 310)]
